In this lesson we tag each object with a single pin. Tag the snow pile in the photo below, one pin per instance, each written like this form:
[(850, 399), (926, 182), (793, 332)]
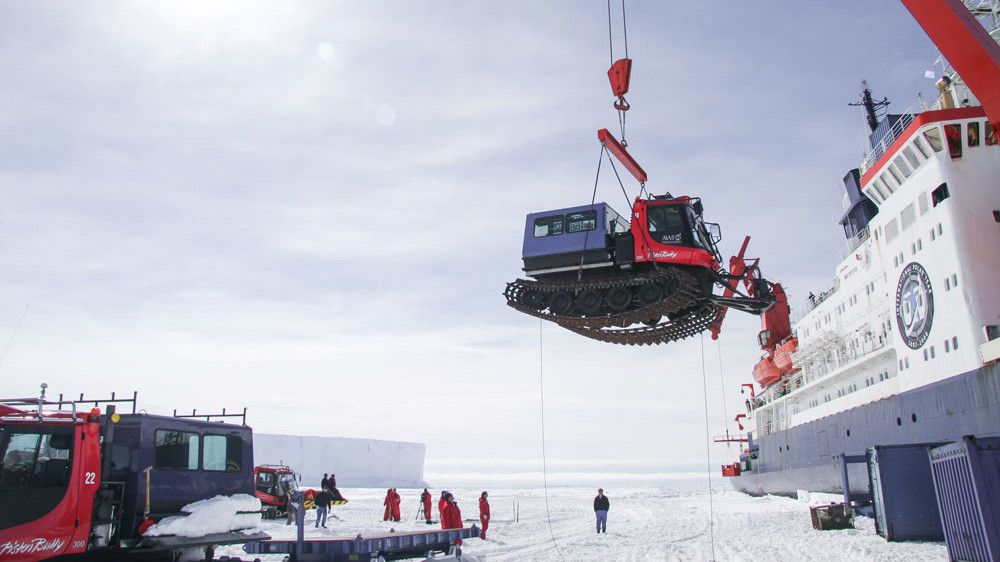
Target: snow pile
[(214, 515), (356, 462), (819, 498)]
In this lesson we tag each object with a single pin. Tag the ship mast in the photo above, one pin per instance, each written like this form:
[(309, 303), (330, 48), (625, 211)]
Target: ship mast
[(871, 106)]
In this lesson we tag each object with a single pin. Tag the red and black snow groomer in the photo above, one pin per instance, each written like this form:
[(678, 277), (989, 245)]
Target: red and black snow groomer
[(643, 281), (76, 483)]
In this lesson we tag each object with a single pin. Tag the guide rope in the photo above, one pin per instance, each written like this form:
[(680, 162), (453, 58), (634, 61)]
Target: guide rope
[(541, 396), (722, 382), (708, 449), (14, 333), (593, 197)]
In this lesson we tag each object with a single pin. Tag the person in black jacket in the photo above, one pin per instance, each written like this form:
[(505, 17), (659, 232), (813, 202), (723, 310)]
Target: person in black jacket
[(601, 505), (322, 501)]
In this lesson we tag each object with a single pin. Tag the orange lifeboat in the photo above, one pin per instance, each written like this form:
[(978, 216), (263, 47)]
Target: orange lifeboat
[(766, 372), (783, 354)]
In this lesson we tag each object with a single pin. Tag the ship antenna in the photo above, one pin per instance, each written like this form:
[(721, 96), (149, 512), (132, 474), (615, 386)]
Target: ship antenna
[(871, 106)]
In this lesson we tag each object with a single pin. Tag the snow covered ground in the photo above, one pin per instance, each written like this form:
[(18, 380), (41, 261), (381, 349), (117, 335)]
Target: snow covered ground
[(668, 522)]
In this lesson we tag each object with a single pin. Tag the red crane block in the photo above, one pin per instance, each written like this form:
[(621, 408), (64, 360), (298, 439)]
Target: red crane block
[(619, 75)]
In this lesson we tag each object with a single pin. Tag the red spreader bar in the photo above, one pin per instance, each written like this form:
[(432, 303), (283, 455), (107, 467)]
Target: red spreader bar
[(615, 148)]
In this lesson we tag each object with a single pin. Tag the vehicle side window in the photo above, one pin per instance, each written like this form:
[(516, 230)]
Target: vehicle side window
[(35, 460), (580, 222), (222, 453), (666, 225), (176, 449), (549, 226)]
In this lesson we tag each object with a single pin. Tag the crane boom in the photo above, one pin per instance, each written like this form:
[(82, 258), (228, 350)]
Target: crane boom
[(967, 46)]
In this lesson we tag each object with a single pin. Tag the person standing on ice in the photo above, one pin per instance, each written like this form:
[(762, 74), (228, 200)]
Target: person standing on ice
[(425, 500), (396, 500), (451, 518), (484, 514), (601, 505), (388, 505), (442, 503), (324, 484), (322, 501)]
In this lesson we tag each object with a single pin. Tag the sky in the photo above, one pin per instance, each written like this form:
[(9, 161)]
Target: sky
[(311, 209)]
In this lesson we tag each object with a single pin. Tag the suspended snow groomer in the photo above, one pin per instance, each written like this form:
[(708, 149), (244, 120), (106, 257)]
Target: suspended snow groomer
[(645, 278)]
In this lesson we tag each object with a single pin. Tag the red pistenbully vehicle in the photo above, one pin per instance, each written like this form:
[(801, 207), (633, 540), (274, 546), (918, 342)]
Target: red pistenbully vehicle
[(272, 483), (88, 484)]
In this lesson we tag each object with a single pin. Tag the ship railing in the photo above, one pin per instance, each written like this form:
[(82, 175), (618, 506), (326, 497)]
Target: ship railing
[(852, 244), (890, 137)]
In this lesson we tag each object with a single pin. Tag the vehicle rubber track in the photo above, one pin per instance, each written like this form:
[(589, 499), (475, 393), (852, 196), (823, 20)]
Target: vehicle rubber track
[(693, 322), (680, 299)]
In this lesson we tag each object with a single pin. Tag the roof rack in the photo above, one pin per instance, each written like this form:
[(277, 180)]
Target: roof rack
[(96, 402), (39, 403), (208, 417)]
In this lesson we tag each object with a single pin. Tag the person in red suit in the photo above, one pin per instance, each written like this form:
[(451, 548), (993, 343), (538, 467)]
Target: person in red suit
[(452, 517), (425, 499), (484, 514), (395, 505), (388, 505), (442, 503)]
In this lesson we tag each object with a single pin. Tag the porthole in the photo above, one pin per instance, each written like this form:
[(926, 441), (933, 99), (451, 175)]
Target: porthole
[(848, 432), (913, 418), (899, 421)]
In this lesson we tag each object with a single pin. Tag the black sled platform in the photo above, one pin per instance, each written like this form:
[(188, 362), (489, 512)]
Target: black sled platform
[(390, 546)]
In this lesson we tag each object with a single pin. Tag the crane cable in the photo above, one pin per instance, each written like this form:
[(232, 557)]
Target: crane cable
[(708, 449), (611, 55), (541, 396)]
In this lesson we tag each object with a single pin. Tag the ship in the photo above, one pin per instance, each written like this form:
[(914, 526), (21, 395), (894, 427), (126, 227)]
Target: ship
[(902, 347)]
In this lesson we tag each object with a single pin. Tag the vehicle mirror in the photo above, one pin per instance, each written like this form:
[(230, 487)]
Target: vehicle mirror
[(715, 232)]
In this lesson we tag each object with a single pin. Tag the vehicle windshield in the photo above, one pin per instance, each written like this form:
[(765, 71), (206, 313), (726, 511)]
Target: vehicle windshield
[(666, 225), (35, 467)]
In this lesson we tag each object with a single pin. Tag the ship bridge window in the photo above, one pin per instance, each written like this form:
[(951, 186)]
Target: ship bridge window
[(921, 147), (176, 449), (933, 137), (911, 157), (991, 137), (549, 226), (580, 222), (895, 174), (939, 194), (953, 132), (972, 134), (887, 183), (903, 168), (666, 224)]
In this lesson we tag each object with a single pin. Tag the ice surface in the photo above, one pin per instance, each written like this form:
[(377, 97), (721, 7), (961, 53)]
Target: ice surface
[(654, 523), (356, 462), (214, 515)]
